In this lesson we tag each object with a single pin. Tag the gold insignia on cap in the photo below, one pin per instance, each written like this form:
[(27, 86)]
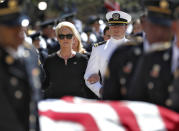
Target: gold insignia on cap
[(155, 71), (116, 16), (12, 8), (12, 4), (164, 4), (9, 59)]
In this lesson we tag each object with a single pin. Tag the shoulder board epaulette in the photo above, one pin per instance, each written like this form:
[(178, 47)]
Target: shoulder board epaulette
[(99, 43), (134, 41), (27, 45), (160, 47)]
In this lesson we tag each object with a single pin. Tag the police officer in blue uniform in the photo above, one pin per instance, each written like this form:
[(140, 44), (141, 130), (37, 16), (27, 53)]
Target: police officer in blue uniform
[(42, 52), (15, 82), (48, 35)]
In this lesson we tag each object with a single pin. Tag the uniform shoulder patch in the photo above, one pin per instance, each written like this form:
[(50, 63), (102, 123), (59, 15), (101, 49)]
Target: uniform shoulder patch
[(27, 45), (160, 46), (135, 40), (99, 43)]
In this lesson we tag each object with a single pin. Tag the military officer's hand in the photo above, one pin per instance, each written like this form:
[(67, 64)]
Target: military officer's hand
[(93, 78)]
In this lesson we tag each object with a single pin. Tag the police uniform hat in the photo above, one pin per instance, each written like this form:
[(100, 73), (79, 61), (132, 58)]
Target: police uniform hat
[(35, 36), (68, 16), (118, 18), (159, 11), (10, 13), (47, 23), (92, 19)]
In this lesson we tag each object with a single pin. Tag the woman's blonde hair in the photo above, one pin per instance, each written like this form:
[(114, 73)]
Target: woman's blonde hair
[(75, 32)]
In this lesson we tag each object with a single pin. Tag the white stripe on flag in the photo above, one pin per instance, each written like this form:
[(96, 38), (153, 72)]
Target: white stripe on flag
[(48, 124), (147, 115), (103, 114)]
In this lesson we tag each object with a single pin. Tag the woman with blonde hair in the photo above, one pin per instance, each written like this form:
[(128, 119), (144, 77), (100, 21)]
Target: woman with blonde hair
[(65, 69), (77, 45)]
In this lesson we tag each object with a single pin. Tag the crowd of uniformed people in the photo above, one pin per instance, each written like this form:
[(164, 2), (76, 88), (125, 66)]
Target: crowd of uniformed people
[(103, 61)]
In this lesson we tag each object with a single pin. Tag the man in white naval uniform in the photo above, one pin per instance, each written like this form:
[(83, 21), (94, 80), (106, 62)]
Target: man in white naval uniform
[(118, 21)]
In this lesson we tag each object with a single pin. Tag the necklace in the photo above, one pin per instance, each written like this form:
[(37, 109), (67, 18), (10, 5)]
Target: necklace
[(65, 57)]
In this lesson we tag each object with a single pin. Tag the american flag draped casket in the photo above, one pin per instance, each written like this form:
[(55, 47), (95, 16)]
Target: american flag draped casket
[(79, 114)]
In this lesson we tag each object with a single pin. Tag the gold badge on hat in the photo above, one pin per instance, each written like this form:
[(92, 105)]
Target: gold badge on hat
[(164, 4), (128, 68), (116, 16), (155, 71), (12, 4)]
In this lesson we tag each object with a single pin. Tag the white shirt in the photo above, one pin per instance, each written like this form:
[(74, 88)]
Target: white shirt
[(98, 61), (175, 57), (145, 42)]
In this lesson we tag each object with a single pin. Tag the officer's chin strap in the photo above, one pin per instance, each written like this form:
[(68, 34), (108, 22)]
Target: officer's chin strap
[(31, 60)]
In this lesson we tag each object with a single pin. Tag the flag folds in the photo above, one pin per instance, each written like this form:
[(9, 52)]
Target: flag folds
[(79, 114)]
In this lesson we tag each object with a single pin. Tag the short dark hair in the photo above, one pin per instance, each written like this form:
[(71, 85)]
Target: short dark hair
[(105, 29)]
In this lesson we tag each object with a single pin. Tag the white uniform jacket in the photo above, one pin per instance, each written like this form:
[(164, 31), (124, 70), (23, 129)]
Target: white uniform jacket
[(98, 61)]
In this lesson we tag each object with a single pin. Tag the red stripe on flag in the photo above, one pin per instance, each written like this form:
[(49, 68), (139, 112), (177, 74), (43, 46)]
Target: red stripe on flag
[(126, 116), (82, 118), (170, 119), (68, 99)]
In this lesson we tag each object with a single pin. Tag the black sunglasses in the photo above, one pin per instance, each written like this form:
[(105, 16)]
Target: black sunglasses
[(62, 36)]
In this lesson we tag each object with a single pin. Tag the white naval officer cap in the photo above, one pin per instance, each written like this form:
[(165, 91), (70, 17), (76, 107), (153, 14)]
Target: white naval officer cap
[(118, 18)]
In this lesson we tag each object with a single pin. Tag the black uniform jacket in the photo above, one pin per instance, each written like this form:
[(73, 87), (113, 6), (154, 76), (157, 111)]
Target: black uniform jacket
[(120, 70), (153, 78), (14, 94)]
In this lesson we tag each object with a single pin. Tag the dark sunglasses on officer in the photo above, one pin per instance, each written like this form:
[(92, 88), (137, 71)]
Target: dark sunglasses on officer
[(62, 36)]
